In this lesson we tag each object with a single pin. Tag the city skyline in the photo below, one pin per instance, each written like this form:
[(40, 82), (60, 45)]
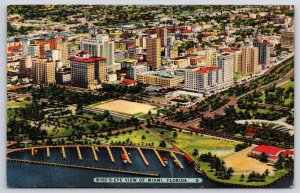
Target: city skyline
[(207, 89)]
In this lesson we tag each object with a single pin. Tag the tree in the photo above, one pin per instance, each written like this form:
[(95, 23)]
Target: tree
[(242, 177), (143, 137), (174, 134), (267, 172), (195, 152), (163, 144), (263, 157)]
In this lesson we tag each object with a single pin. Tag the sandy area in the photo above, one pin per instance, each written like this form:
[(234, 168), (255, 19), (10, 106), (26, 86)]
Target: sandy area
[(242, 164), (126, 107)]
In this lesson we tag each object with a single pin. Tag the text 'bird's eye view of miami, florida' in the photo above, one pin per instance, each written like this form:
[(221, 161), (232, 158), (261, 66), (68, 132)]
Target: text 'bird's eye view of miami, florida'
[(150, 96)]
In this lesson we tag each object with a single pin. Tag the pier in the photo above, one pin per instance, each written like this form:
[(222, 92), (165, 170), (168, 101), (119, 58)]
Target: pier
[(83, 167), (143, 156), (176, 159), (127, 157), (63, 152), (48, 151), (79, 153), (32, 151), (159, 158), (95, 154), (110, 154)]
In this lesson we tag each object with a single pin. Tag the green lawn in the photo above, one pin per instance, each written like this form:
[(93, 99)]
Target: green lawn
[(235, 179), (83, 120), (59, 132), (240, 75), (287, 85), (188, 142), (18, 104), (135, 137)]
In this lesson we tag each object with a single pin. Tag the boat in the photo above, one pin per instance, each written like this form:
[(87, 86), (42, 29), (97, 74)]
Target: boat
[(165, 160), (188, 158), (124, 158), (176, 162)]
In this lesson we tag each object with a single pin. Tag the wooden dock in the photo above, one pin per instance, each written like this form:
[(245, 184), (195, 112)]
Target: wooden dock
[(63, 152), (32, 151), (79, 153), (110, 154), (173, 155), (48, 151), (143, 156), (127, 156), (95, 154), (83, 167), (159, 158)]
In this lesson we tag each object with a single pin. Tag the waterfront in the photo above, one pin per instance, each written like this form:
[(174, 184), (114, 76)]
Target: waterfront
[(31, 175)]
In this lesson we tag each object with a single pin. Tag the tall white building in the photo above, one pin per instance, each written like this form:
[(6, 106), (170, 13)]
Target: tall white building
[(100, 47), (205, 80), (226, 62), (211, 79)]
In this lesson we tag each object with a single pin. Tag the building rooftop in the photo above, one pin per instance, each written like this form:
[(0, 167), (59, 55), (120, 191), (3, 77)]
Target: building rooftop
[(268, 149), (129, 60), (205, 70), (86, 60), (128, 81), (161, 74), (287, 153)]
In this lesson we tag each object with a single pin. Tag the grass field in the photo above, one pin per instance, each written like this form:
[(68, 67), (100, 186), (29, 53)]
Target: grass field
[(188, 142), (287, 85), (240, 75), (235, 179), (135, 137), (126, 107), (16, 104), (242, 164), (65, 124)]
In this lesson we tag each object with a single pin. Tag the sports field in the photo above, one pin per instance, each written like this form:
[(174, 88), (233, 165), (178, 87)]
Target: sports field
[(242, 164), (126, 107)]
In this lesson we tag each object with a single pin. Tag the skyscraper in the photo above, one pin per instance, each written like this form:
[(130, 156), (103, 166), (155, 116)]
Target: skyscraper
[(153, 52), (225, 62), (100, 47), (249, 61), (63, 47), (211, 58), (86, 71), (43, 71), (162, 33), (264, 53), (288, 40)]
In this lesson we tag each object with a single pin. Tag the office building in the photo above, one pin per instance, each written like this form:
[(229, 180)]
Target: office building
[(43, 71), (87, 71), (153, 53), (101, 46)]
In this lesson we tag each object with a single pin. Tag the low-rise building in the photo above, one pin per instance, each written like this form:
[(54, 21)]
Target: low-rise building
[(133, 71), (159, 78)]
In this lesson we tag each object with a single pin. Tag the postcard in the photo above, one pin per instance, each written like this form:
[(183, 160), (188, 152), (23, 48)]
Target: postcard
[(150, 96)]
